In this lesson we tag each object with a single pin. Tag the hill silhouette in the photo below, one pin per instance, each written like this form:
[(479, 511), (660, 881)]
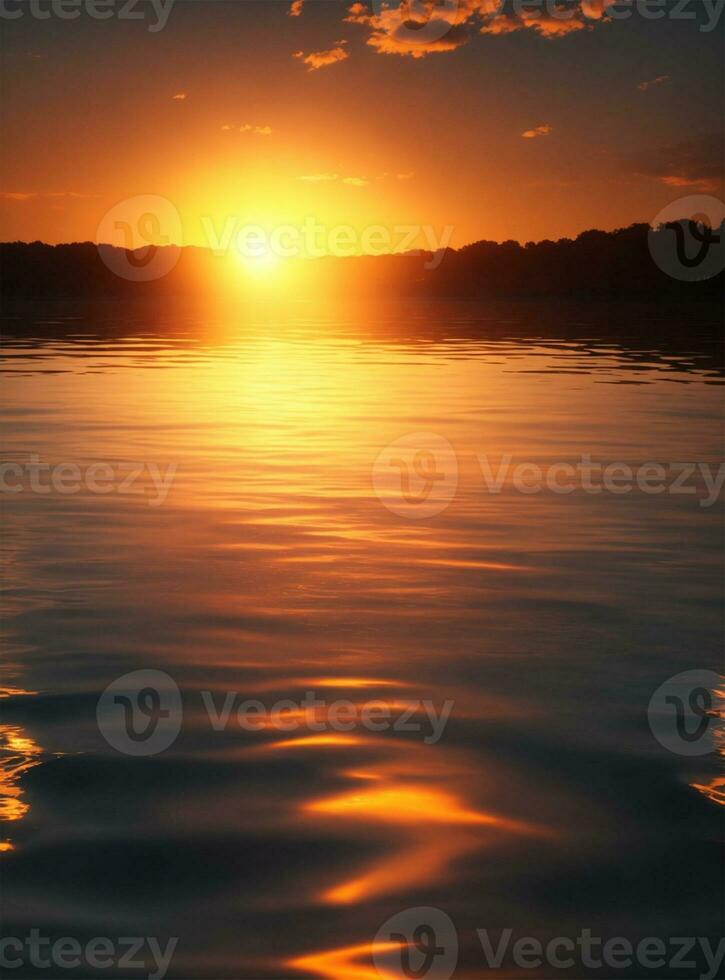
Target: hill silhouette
[(596, 263)]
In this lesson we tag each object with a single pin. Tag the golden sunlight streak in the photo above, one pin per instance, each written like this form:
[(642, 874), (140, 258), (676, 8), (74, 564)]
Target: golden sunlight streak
[(409, 804), (336, 964), (314, 741), (18, 753), (418, 812), (715, 789)]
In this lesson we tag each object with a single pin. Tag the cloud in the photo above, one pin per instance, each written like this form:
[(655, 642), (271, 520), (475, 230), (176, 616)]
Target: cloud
[(696, 163), (549, 26), (532, 134), (392, 43), (416, 29), (424, 27), (34, 195), (179, 97), (247, 128), (660, 80), (355, 181), (352, 181), (322, 59), (318, 177), (553, 21), (296, 8)]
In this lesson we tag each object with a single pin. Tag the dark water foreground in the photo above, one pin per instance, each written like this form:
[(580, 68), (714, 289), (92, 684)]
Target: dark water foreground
[(272, 546)]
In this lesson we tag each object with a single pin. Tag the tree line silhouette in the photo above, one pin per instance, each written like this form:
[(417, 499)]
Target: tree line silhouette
[(596, 263)]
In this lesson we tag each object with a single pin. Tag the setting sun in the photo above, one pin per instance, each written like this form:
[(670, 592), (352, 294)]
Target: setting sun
[(361, 488)]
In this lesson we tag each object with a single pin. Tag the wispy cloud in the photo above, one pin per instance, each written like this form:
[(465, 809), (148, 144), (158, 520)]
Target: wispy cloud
[(322, 59), (660, 80), (247, 128), (696, 163), (351, 181), (532, 134), (427, 27), (180, 97), (36, 195)]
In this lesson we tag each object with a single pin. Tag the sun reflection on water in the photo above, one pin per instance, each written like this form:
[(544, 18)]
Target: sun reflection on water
[(336, 964), (715, 789), (18, 754)]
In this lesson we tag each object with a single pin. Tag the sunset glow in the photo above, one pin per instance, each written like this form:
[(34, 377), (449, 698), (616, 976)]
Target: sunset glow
[(361, 489), (301, 127)]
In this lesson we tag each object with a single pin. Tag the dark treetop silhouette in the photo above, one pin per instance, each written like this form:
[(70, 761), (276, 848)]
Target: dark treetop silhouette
[(596, 263)]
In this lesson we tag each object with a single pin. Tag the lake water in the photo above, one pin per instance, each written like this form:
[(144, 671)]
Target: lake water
[(250, 541)]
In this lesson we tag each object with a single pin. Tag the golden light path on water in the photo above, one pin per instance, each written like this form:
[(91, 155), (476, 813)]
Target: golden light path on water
[(273, 568), (400, 807), (18, 754), (715, 789)]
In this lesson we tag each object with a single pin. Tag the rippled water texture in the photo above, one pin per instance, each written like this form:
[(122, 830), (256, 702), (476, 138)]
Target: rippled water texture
[(272, 568)]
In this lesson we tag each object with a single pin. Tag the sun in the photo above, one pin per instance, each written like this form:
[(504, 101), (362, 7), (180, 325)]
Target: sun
[(258, 261)]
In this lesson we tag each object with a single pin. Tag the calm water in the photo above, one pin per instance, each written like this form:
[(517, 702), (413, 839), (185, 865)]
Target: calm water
[(273, 568)]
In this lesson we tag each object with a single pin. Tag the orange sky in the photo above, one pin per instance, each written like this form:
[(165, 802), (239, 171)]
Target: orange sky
[(238, 113)]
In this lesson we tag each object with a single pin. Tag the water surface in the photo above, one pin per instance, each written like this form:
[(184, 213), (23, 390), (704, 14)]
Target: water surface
[(272, 568)]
